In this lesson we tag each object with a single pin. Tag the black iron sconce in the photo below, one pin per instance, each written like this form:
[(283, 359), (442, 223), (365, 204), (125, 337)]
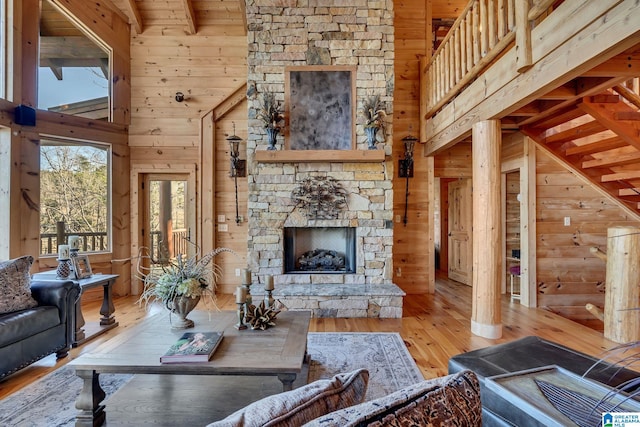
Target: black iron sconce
[(238, 168), (405, 168)]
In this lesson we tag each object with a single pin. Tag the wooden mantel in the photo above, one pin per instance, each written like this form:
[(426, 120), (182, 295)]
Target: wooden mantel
[(315, 156)]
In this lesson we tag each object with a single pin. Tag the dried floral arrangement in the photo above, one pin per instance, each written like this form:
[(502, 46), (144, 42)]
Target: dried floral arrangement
[(374, 113), (270, 111), (321, 197), (189, 277), (261, 316)]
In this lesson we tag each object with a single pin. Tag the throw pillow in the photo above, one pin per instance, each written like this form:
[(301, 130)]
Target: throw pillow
[(296, 407), (453, 400), (15, 282)]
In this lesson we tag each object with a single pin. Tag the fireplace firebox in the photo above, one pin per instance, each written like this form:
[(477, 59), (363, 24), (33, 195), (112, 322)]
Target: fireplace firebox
[(323, 250)]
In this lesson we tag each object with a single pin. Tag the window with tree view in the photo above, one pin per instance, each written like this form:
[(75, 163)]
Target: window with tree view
[(74, 195)]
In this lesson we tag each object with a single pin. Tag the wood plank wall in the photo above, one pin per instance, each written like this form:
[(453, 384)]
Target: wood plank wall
[(569, 276), (206, 67), (410, 242)]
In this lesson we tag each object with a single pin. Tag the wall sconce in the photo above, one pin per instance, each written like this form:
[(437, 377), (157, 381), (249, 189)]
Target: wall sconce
[(405, 168), (238, 167)]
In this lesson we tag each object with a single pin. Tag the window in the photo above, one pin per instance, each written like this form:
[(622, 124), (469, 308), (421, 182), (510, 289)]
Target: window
[(73, 77), (75, 182)]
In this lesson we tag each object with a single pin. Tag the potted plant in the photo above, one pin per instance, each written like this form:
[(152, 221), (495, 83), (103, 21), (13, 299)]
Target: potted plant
[(271, 115), (374, 114), (181, 284)]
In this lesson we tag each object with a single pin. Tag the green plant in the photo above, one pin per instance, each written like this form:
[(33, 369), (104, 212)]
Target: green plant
[(190, 277), (270, 111)]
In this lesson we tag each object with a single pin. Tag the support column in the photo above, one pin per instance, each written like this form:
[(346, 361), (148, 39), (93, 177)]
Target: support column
[(622, 294), (487, 257)]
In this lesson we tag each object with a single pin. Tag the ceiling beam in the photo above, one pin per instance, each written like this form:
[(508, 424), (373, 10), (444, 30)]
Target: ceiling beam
[(132, 12), (70, 47), (190, 16)]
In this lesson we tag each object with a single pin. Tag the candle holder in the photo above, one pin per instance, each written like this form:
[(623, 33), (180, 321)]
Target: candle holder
[(249, 300), (73, 255), (268, 298), (240, 325), (64, 269)]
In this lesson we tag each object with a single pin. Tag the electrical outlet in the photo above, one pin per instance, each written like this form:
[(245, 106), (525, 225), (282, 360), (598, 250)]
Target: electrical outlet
[(237, 272), (223, 227), (398, 218), (222, 218), (567, 221), (399, 272)]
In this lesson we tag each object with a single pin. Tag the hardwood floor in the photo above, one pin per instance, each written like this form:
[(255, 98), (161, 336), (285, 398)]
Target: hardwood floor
[(434, 328)]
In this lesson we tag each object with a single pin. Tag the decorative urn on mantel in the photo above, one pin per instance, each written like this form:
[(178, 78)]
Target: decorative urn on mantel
[(272, 135), (271, 115), (374, 114)]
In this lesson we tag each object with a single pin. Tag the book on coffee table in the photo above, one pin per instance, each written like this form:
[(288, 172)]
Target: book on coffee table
[(193, 347)]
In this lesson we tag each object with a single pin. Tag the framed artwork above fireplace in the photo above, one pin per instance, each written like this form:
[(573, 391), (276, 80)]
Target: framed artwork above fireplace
[(320, 107)]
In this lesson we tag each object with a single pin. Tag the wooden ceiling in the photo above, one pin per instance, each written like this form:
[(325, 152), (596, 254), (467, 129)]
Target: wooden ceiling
[(191, 15)]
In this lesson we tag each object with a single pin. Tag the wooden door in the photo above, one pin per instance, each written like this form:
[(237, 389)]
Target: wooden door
[(460, 221)]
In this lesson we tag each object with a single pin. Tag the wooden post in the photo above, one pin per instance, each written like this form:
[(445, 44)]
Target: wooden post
[(524, 56), (622, 296), (487, 258), (60, 233), (165, 245)]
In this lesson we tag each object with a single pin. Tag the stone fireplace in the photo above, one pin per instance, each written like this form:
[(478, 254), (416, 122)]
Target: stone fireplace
[(354, 33)]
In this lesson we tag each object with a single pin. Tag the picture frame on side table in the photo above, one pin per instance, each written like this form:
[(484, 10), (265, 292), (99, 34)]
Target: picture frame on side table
[(82, 267)]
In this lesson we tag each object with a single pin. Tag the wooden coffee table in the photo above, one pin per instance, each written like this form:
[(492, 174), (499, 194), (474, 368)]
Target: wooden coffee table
[(278, 351)]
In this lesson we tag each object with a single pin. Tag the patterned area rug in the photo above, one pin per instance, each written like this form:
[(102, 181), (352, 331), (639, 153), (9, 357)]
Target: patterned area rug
[(51, 400)]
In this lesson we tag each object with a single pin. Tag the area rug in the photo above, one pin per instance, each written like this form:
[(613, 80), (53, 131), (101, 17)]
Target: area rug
[(51, 400)]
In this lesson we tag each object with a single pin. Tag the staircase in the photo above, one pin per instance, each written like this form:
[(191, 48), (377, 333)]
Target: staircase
[(598, 137)]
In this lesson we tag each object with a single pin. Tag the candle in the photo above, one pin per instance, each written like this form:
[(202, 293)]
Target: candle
[(246, 279), (74, 242), (241, 295), (269, 284), (63, 251)]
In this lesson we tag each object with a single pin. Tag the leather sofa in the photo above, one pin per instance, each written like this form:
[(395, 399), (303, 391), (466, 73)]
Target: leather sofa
[(524, 354), (31, 334)]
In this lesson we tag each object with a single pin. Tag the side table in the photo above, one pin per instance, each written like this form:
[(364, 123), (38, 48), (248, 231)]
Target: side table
[(84, 331)]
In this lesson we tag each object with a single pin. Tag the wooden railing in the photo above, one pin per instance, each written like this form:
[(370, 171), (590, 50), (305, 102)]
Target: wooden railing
[(479, 35), (179, 244), (89, 242), (97, 242)]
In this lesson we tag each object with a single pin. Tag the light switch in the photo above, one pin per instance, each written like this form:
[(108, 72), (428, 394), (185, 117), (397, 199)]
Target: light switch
[(221, 218), (223, 227), (567, 221)]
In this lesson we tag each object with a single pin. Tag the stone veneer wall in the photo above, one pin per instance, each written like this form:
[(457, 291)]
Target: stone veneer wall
[(320, 32)]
